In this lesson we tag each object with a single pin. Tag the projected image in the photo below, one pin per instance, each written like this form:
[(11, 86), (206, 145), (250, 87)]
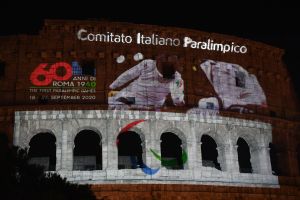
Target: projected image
[(130, 152), (206, 106), (63, 81), (235, 87), (147, 84), (150, 84)]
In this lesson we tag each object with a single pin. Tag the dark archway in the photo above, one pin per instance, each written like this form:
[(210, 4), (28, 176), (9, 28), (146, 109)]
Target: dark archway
[(274, 159), (171, 150), (209, 152), (130, 150), (244, 156), (87, 151), (42, 151)]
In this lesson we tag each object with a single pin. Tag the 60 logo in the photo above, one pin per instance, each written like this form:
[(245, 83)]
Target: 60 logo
[(42, 76)]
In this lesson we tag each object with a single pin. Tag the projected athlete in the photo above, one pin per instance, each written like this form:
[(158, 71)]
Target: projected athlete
[(152, 81), (234, 85)]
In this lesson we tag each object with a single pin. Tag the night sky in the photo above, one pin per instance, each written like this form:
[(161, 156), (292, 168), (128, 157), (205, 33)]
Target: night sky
[(273, 22)]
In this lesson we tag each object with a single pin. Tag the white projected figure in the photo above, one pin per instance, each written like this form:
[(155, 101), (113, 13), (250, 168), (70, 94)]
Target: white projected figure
[(149, 87), (234, 85), (206, 106)]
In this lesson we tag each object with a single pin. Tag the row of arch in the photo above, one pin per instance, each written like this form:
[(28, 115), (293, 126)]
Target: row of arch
[(87, 151)]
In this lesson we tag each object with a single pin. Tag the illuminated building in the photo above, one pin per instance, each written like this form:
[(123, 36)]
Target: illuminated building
[(221, 118)]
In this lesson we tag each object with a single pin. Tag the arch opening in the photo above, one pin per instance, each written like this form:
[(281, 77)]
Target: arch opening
[(171, 151), (244, 156), (42, 151), (130, 150), (274, 159), (87, 154), (209, 152)]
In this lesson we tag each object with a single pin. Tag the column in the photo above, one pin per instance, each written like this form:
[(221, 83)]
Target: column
[(153, 142), (104, 147), (193, 148), (222, 157), (229, 158), (112, 149), (151, 160), (261, 161), (194, 158), (67, 152), (16, 136), (58, 156)]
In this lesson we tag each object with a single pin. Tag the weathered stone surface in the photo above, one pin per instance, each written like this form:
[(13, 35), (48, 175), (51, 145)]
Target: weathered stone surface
[(108, 125)]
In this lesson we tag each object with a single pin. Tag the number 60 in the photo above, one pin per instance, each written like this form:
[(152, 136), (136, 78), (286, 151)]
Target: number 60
[(50, 74)]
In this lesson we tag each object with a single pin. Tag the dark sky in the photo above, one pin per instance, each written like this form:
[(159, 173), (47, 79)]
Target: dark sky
[(272, 22)]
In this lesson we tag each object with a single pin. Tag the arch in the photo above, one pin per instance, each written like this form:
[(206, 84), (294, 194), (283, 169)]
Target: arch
[(248, 137), (178, 132), (274, 158), (171, 151), (42, 150), (214, 135), (35, 132), (244, 156), (130, 150), (209, 152), (87, 153), (140, 132), (89, 128)]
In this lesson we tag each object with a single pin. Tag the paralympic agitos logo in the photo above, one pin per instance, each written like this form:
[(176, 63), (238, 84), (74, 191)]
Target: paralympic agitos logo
[(167, 163)]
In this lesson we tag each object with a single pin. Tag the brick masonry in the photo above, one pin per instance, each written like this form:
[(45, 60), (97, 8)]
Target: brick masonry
[(57, 42)]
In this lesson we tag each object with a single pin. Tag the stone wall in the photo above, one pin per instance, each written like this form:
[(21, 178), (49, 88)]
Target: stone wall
[(188, 127), (57, 41)]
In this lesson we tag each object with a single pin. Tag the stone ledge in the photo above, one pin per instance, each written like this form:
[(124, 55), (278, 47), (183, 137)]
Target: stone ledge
[(130, 115), (118, 176)]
